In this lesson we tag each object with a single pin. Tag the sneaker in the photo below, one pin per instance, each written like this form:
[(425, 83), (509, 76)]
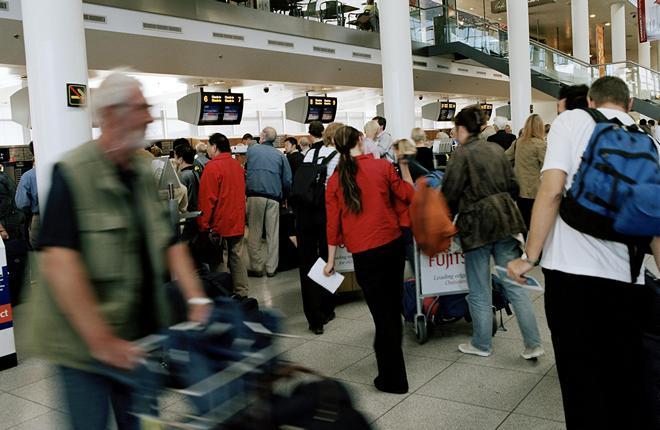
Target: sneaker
[(271, 275), (533, 353), (254, 274), (467, 348)]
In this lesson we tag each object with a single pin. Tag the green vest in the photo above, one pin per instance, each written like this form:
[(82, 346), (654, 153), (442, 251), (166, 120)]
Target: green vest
[(110, 249)]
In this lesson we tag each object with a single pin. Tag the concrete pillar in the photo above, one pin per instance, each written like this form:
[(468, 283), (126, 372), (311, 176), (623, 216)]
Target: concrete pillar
[(54, 60), (397, 68), (520, 79), (27, 133), (580, 29), (644, 54), (618, 25)]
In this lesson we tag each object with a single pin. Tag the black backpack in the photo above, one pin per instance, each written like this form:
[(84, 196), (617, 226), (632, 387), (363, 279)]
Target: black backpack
[(309, 183)]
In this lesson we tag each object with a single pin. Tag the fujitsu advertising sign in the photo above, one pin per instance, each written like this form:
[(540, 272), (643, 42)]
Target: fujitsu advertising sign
[(443, 274)]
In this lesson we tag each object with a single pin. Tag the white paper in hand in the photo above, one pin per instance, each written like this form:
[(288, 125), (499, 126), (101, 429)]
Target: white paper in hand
[(330, 283)]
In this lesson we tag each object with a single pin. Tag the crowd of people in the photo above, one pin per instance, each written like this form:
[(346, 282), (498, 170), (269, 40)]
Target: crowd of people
[(106, 242)]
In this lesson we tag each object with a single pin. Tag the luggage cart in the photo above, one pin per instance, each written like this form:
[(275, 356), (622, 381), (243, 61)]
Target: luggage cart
[(420, 321)]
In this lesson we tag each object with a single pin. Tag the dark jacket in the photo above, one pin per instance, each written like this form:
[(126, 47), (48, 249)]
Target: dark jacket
[(480, 186), (503, 139)]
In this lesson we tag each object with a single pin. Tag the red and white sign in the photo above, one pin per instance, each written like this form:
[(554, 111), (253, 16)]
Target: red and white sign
[(443, 274), (648, 20), (343, 260)]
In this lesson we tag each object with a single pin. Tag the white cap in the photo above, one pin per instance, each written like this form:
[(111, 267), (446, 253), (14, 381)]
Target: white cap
[(500, 122)]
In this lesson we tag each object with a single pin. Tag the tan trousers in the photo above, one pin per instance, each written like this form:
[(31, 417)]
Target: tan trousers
[(263, 215), (236, 266)]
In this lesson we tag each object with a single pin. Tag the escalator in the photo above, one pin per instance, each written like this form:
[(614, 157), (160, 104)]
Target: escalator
[(462, 36)]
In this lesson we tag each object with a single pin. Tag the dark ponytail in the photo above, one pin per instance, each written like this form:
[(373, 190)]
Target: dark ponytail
[(472, 118), (347, 138)]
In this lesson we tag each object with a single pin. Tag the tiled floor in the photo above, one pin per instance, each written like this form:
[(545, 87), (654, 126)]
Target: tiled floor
[(447, 390)]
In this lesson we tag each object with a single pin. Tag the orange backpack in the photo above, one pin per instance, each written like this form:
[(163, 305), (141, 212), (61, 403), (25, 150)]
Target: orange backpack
[(431, 218)]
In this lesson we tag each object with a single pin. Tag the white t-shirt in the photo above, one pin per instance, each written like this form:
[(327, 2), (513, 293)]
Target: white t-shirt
[(323, 153), (566, 249)]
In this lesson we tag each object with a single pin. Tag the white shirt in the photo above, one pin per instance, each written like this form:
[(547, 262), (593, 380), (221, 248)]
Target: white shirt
[(384, 142), (566, 249), (323, 153)]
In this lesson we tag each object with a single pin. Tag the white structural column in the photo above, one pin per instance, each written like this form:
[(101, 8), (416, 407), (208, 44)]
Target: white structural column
[(644, 54), (618, 19), (580, 29), (396, 57), (54, 59), (520, 79), (27, 134)]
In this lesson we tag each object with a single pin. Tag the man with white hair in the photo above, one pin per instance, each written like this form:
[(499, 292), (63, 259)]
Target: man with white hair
[(268, 183), (501, 136), (107, 246)]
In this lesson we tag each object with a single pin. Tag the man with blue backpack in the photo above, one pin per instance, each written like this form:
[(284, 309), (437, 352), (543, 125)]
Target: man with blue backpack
[(596, 214)]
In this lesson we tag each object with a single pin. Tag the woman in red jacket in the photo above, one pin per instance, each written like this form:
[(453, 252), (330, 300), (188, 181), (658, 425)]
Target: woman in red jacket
[(360, 205)]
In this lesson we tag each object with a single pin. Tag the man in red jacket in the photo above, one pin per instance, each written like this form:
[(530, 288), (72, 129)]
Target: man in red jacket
[(222, 202)]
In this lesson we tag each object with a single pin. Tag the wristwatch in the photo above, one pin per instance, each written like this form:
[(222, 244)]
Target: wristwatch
[(526, 259), (200, 301)]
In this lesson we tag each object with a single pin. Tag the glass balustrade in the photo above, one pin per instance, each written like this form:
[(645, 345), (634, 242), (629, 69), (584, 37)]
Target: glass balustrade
[(441, 24)]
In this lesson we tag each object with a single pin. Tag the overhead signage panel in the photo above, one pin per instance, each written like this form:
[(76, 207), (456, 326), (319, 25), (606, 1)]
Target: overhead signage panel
[(499, 6)]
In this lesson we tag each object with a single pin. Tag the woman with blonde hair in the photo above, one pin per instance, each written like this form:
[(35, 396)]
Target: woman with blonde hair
[(424, 152), (371, 129), (528, 153)]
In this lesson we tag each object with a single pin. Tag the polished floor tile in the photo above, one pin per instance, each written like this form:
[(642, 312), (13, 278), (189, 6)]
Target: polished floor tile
[(427, 413), (522, 422), (419, 370), (371, 402), (14, 411), (544, 401), (28, 371), (52, 420), (47, 392), (481, 386), (448, 390), (326, 358)]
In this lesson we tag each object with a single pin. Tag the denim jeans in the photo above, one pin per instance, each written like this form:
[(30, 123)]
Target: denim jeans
[(480, 298), (89, 397)]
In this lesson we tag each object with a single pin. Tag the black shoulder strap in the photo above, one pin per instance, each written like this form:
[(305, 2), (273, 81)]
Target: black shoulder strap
[(317, 151), (327, 159), (596, 115)]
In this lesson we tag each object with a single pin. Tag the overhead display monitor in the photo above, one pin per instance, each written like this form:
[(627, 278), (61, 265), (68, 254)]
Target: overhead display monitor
[(312, 108), (439, 111), (487, 108), (211, 108)]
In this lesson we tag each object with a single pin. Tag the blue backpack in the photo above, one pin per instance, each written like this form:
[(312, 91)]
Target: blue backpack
[(615, 194)]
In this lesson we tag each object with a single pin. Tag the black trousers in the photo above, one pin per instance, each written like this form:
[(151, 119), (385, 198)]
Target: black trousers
[(379, 272), (596, 327), (318, 303), (525, 206)]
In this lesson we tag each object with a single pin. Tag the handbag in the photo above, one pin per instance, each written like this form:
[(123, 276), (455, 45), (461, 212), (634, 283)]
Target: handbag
[(207, 247)]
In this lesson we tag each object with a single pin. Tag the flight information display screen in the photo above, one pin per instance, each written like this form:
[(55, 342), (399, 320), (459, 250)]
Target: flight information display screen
[(322, 109), (221, 109), (447, 111), (487, 108)]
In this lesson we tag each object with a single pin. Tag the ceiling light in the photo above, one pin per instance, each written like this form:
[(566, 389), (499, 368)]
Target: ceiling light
[(607, 24), (326, 89), (218, 82), (471, 8), (593, 15)]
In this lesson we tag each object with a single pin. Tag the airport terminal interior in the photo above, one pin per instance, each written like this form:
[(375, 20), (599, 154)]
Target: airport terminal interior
[(246, 67)]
